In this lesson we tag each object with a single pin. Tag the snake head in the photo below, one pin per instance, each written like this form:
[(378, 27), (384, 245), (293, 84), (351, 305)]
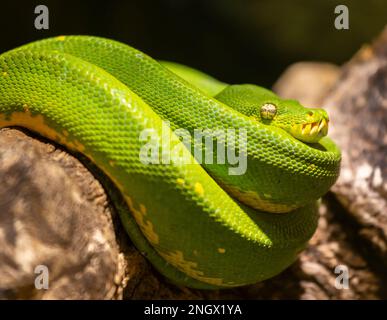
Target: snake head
[(305, 124)]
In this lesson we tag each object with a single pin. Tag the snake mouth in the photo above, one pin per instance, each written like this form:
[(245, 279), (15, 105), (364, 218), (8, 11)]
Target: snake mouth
[(314, 128), (310, 132)]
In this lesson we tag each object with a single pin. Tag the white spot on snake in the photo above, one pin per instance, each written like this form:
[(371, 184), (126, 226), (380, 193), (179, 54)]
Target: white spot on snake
[(139, 55)]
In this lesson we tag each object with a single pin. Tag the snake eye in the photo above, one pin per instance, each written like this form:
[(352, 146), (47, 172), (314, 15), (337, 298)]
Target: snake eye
[(268, 111)]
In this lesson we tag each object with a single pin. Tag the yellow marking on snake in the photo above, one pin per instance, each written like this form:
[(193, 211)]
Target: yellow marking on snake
[(176, 258), (180, 181), (146, 226), (254, 200), (38, 124), (61, 38), (199, 188), (221, 250)]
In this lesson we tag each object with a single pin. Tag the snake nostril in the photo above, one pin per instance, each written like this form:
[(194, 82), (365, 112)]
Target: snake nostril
[(310, 113)]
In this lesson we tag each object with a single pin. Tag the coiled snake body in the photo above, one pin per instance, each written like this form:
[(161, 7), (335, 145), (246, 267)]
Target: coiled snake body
[(199, 225)]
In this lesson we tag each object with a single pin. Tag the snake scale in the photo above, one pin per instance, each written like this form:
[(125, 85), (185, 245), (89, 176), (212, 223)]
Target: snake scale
[(199, 225)]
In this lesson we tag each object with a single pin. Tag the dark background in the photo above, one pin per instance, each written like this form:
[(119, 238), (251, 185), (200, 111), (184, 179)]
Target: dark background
[(237, 41)]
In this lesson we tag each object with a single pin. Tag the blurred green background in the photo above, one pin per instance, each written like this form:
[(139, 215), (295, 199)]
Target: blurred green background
[(238, 41)]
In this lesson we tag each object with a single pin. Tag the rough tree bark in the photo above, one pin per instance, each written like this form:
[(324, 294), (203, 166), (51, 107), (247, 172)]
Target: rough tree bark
[(54, 212)]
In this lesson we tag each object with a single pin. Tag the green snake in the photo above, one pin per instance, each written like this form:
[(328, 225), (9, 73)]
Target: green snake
[(199, 223)]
